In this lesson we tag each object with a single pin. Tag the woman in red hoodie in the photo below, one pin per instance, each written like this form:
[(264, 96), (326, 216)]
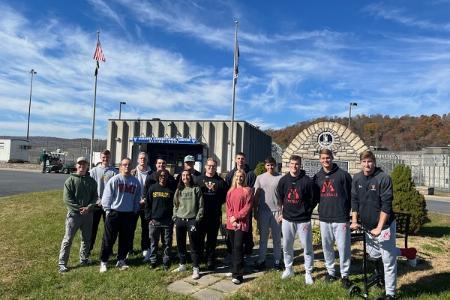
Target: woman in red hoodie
[(239, 204)]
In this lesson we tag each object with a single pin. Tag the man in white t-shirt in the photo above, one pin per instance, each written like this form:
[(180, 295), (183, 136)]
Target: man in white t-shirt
[(267, 213)]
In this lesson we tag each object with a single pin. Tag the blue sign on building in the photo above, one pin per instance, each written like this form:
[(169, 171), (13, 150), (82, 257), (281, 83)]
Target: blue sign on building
[(164, 140)]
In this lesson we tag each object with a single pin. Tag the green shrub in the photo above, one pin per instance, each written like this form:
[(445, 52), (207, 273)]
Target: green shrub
[(259, 169), (407, 198)]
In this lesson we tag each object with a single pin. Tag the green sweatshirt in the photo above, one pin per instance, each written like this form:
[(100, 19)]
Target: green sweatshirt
[(79, 191), (188, 203)]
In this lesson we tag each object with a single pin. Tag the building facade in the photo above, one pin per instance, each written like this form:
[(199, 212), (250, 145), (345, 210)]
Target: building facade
[(14, 150), (174, 139)]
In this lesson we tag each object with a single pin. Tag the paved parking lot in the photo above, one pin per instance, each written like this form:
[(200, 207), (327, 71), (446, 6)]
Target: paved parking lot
[(16, 182)]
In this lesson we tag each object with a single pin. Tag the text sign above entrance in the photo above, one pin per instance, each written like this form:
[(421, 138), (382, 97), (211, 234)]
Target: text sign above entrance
[(164, 140), (311, 166)]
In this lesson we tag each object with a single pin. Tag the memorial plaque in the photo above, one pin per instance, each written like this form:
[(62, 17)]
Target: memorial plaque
[(312, 166)]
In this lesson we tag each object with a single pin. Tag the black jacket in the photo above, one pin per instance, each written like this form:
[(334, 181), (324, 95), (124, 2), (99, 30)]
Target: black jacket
[(334, 191), (371, 195), (297, 195), (250, 176), (159, 203), (214, 191)]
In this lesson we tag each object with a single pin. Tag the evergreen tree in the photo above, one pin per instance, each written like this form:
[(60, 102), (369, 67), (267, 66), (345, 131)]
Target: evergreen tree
[(407, 198), (260, 168)]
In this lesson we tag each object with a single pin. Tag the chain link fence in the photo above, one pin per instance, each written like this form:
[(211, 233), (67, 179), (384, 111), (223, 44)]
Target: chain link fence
[(430, 170)]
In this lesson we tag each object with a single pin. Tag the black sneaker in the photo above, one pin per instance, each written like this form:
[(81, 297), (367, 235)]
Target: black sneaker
[(346, 283), (260, 266), (389, 297), (211, 266), (330, 278), (153, 265)]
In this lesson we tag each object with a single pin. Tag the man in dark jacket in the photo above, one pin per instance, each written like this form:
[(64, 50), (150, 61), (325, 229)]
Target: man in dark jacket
[(372, 197), (334, 189), (250, 178), (214, 190), (296, 193), (80, 195)]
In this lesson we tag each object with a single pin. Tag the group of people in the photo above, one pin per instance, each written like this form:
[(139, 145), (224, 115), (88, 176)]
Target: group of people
[(282, 205)]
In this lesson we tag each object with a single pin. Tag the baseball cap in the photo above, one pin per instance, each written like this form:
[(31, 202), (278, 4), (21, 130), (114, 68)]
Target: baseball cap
[(81, 159), (189, 158)]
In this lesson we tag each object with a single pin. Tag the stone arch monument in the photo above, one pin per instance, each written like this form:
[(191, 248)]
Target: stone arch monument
[(344, 143)]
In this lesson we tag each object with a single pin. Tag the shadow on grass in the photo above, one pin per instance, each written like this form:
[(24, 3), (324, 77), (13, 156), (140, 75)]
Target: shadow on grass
[(434, 231), (435, 284)]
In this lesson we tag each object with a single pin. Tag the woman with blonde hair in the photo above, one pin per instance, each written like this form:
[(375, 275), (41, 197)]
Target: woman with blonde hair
[(239, 204)]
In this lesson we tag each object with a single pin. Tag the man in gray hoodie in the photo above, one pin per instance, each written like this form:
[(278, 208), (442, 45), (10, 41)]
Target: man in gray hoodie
[(80, 194), (121, 203)]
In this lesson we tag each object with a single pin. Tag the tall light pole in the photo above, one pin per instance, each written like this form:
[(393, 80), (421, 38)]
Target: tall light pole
[(32, 72), (120, 108), (350, 112)]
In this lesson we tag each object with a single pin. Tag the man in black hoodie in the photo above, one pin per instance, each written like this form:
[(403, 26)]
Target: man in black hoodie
[(214, 190), (250, 178), (334, 188), (297, 195), (372, 197), (158, 213)]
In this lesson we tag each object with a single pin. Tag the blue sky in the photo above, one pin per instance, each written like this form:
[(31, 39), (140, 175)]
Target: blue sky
[(174, 60)]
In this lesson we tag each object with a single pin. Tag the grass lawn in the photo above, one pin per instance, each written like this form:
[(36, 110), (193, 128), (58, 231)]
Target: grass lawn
[(32, 227)]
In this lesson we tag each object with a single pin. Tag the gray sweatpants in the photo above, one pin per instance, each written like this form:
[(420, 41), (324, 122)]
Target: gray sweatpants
[(268, 220), (75, 221), (304, 232), (384, 246), (339, 233)]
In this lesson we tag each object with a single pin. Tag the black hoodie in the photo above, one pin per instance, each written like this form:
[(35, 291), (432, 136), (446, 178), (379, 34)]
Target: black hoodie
[(334, 190), (297, 195), (250, 176), (159, 203), (214, 191), (371, 195)]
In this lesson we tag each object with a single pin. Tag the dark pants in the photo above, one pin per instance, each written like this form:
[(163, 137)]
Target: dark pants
[(189, 226), (98, 213), (157, 230), (117, 224), (248, 237), (236, 238), (145, 240), (208, 229)]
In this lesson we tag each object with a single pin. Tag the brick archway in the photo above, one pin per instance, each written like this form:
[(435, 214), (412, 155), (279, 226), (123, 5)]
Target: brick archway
[(344, 143)]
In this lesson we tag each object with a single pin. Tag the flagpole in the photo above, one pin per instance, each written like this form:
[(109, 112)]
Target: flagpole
[(234, 93), (91, 155)]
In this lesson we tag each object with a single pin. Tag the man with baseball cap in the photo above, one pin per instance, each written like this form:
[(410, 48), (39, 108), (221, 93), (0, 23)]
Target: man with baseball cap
[(80, 195), (189, 162)]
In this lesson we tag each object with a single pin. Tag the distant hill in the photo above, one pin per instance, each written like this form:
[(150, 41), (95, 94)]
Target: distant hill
[(406, 133), (74, 147)]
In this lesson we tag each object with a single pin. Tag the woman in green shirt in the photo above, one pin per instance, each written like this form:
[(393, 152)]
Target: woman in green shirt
[(187, 212)]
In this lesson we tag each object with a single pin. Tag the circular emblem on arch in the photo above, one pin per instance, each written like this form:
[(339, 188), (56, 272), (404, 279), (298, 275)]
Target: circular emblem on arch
[(325, 139)]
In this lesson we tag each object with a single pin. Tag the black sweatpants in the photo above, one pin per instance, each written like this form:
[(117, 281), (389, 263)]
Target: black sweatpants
[(98, 214), (117, 224), (189, 226), (145, 240), (208, 229), (236, 238)]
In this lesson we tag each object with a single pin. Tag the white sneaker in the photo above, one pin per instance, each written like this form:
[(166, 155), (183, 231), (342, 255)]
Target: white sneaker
[(146, 255), (412, 262), (229, 274), (195, 273), (308, 279), (181, 268), (103, 267), (122, 265), (288, 273), (236, 281)]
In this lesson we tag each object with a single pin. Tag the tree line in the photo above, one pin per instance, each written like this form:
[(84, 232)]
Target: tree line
[(405, 133)]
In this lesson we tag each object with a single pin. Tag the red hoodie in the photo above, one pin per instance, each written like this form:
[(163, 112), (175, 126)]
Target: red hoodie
[(239, 204)]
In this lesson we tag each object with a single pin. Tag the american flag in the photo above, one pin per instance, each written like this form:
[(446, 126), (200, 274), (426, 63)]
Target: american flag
[(98, 55)]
